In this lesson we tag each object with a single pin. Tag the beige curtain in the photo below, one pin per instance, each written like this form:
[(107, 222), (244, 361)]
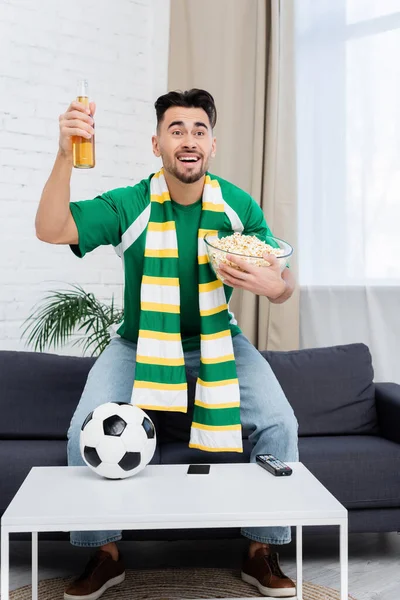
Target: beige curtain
[(242, 52)]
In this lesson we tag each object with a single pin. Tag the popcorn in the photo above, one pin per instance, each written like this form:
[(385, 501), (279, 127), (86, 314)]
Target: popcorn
[(248, 245), (245, 244)]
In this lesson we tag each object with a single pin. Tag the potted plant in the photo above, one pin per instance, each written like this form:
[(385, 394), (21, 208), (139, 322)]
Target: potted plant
[(64, 313)]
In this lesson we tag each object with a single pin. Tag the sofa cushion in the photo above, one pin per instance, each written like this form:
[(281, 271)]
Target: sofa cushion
[(331, 389), (359, 470), (39, 393)]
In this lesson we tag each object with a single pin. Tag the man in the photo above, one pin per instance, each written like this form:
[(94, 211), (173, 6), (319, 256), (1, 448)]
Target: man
[(171, 209)]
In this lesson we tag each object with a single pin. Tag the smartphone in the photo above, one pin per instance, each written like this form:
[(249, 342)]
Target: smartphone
[(198, 469)]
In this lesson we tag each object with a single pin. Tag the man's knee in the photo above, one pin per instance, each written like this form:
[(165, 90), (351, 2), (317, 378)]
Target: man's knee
[(289, 434), (74, 430), (73, 445), (290, 426), (287, 429)]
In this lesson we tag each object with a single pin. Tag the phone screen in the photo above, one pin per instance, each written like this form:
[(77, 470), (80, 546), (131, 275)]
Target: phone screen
[(198, 469)]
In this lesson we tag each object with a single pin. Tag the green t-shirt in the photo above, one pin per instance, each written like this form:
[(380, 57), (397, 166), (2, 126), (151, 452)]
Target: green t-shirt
[(119, 217)]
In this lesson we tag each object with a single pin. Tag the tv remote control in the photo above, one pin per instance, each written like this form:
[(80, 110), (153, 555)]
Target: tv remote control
[(273, 465)]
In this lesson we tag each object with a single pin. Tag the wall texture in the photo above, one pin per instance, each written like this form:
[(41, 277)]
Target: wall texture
[(122, 48)]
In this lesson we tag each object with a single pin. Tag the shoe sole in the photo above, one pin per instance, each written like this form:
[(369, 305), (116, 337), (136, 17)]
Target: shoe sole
[(100, 592), (270, 592)]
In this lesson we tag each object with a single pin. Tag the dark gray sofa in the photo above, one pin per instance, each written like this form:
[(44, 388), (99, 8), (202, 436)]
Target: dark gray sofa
[(349, 426)]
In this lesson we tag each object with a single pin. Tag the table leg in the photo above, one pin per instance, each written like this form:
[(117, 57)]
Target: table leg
[(34, 565), (344, 565), (299, 561), (5, 564)]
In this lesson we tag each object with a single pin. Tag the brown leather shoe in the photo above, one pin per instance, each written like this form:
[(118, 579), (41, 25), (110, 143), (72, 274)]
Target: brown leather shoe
[(263, 571), (101, 573)]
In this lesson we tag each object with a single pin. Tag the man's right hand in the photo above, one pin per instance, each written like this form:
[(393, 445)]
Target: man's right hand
[(54, 222), (75, 122)]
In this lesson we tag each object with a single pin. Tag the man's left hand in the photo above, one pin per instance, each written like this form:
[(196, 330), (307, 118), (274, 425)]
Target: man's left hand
[(263, 281)]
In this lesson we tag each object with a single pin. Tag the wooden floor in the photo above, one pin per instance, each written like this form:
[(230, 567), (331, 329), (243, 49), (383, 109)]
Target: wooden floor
[(374, 560)]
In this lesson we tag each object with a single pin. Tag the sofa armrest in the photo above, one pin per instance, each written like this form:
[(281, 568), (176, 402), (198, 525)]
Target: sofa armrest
[(387, 397)]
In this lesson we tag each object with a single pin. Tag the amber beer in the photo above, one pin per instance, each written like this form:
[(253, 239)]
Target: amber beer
[(83, 148)]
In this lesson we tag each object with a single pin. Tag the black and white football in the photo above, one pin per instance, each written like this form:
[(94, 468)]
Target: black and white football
[(117, 440)]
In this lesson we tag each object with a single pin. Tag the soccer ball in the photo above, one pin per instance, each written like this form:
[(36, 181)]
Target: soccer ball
[(117, 440)]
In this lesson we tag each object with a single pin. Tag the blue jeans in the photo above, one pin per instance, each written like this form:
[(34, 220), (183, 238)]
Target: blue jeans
[(264, 411)]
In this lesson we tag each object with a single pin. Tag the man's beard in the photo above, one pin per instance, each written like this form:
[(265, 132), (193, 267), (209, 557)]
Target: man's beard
[(192, 177)]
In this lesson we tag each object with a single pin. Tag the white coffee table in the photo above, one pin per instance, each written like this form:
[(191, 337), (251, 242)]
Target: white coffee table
[(165, 497)]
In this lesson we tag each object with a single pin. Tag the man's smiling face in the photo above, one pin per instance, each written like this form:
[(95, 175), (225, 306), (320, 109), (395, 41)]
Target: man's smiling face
[(185, 143)]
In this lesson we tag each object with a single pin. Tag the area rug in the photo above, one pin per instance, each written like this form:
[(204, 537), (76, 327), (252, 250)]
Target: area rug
[(166, 584)]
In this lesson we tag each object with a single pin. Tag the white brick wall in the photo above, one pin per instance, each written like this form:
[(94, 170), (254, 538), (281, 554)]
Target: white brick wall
[(122, 48)]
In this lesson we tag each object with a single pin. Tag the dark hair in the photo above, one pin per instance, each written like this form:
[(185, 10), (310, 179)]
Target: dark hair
[(190, 99)]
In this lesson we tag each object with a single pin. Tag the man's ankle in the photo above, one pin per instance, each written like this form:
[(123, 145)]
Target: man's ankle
[(254, 546), (112, 549)]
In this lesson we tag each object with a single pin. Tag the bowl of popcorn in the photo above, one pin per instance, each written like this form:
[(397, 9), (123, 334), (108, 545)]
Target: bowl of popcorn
[(250, 248)]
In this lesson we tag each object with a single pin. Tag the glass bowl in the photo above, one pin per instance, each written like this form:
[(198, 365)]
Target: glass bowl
[(217, 256)]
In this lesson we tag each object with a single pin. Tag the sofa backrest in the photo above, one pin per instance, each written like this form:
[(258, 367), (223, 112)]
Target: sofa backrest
[(331, 391), (39, 393)]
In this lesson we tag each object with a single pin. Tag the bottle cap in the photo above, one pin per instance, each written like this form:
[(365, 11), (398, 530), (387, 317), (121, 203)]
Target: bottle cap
[(83, 88)]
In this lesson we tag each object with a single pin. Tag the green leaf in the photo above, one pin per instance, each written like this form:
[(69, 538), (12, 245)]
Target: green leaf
[(63, 313)]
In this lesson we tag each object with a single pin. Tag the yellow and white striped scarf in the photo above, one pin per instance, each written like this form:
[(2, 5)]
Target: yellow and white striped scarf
[(160, 379)]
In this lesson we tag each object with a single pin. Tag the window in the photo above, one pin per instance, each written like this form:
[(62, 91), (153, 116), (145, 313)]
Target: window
[(348, 113)]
